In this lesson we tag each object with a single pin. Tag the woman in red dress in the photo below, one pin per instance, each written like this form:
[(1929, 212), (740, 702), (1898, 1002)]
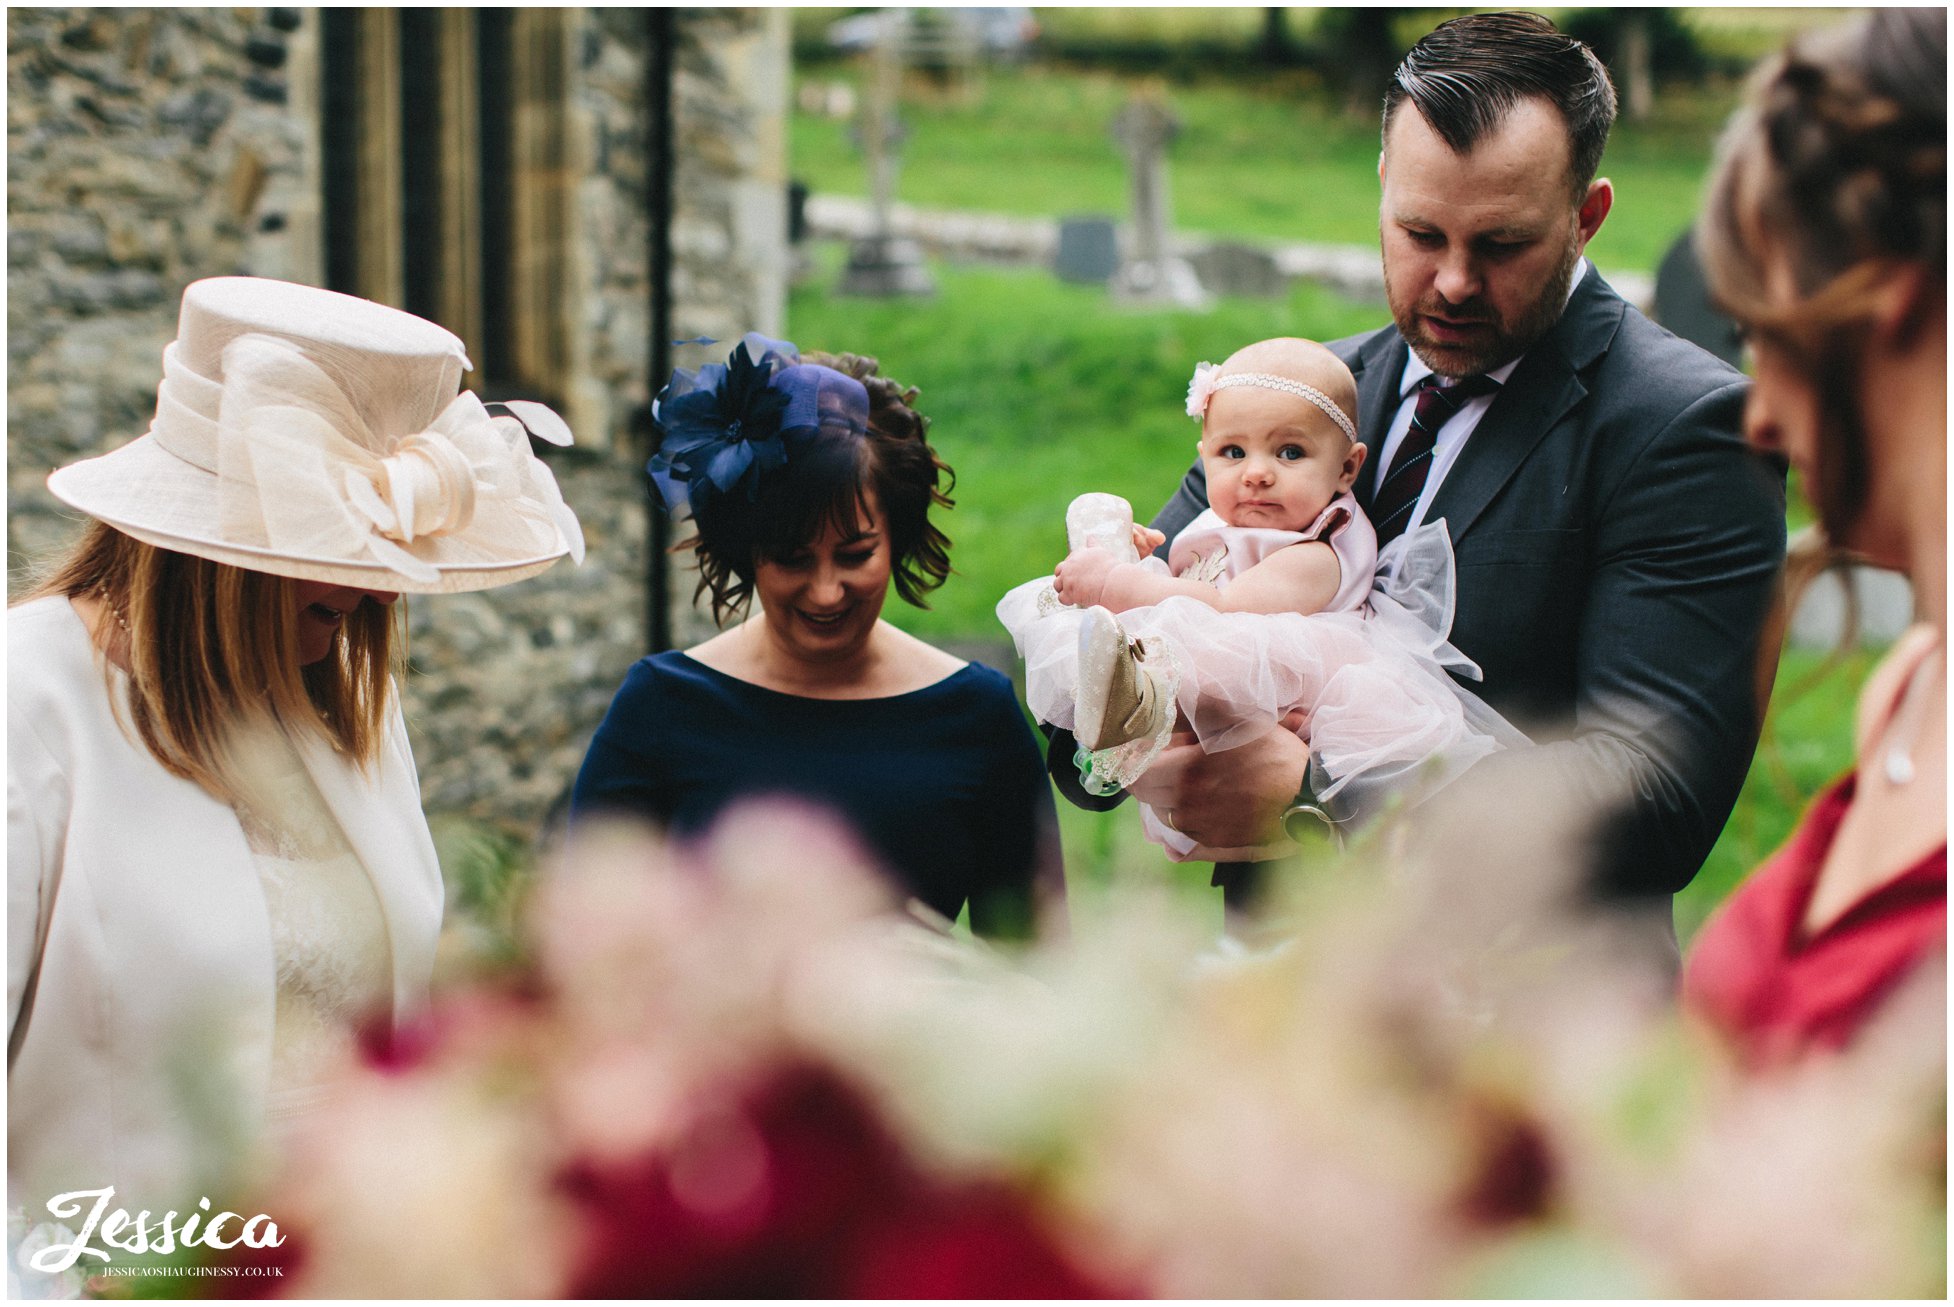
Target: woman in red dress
[(1825, 236)]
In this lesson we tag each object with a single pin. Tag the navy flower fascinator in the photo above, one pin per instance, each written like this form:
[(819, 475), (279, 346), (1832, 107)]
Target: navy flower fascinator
[(727, 426)]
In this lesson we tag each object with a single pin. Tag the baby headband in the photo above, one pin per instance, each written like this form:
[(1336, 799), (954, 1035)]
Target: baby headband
[(727, 426), (1208, 379)]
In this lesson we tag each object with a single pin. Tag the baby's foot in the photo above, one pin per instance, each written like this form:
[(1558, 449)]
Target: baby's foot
[(1118, 697)]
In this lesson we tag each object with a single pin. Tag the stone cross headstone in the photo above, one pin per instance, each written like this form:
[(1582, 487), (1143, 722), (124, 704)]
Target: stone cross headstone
[(1152, 274), (884, 264)]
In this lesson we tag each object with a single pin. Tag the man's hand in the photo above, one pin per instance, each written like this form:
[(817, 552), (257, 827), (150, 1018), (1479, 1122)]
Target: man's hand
[(1081, 579), (1232, 799)]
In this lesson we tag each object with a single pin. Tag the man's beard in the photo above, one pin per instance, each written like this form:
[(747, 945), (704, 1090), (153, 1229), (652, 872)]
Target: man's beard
[(1504, 340)]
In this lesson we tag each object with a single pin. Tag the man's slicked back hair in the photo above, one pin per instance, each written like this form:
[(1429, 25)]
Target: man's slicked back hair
[(1467, 74)]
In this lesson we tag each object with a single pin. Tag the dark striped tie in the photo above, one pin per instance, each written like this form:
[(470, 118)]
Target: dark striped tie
[(1399, 487)]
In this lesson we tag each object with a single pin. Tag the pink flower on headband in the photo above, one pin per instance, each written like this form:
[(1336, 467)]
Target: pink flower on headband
[(1201, 388)]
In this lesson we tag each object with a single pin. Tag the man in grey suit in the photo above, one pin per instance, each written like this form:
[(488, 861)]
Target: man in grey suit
[(1617, 545)]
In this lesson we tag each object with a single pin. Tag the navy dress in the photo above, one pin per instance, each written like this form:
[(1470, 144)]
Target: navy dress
[(945, 784)]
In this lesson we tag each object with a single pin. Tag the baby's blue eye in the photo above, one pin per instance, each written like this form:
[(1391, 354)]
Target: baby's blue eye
[(1291, 453), (1232, 451)]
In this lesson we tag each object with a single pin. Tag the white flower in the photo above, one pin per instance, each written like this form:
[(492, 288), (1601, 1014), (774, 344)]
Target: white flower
[(23, 1242), (1200, 388)]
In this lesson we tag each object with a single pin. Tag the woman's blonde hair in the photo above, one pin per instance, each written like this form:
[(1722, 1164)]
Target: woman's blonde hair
[(1835, 172), (211, 646)]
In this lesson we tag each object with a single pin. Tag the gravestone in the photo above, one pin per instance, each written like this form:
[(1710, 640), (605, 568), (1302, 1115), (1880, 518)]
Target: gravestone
[(883, 264), (1682, 303), (1229, 268), (1152, 274), (1088, 250), (797, 193), (800, 261)]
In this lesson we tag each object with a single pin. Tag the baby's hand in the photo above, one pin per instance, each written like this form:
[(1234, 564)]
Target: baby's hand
[(1146, 539), (1081, 578)]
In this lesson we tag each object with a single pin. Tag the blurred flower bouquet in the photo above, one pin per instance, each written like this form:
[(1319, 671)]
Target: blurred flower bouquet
[(737, 1069)]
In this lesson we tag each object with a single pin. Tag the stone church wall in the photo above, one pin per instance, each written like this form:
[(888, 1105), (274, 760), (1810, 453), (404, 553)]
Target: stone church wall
[(148, 148)]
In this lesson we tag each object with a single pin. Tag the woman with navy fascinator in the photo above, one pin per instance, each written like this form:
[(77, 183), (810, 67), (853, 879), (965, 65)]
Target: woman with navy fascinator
[(810, 483)]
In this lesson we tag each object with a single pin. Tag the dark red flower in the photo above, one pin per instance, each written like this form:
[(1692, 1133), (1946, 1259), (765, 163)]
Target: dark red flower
[(1513, 1174), (396, 1050), (481, 1019), (977, 1242), (810, 1196)]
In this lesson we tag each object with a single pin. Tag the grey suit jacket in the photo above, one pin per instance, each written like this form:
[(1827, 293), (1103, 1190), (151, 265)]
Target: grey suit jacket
[(1618, 548)]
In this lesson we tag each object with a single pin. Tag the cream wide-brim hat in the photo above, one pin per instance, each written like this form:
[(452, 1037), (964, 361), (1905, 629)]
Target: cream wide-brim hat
[(344, 400)]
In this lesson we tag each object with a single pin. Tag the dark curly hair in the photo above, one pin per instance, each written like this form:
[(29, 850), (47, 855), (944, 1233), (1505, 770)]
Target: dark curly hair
[(1468, 73), (833, 483), (1835, 170)]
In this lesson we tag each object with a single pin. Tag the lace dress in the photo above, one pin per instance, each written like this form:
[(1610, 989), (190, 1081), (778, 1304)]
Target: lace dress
[(329, 937)]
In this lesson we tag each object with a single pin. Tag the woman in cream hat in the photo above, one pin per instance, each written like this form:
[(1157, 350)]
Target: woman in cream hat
[(217, 861)]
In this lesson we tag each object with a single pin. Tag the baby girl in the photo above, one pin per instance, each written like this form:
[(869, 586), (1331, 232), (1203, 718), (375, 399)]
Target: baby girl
[(1265, 615)]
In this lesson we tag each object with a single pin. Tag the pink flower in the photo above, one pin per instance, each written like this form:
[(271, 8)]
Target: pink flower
[(1200, 388)]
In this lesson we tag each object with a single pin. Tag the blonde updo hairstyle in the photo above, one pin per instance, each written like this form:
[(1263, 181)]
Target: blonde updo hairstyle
[(1835, 170)]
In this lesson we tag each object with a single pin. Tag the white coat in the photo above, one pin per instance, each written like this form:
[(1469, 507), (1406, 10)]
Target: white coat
[(140, 976)]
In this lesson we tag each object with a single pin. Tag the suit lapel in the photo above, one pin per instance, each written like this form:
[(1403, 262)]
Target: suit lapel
[(1542, 390), (1379, 369)]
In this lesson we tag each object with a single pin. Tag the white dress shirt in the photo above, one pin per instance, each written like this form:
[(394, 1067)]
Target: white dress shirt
[(1453, 435)]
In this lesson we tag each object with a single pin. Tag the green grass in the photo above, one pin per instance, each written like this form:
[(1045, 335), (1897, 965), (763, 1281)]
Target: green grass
[(1807, 742), (1079, 24), (1037, 141), (1260, 159), (1742, 34), (1748, 34)]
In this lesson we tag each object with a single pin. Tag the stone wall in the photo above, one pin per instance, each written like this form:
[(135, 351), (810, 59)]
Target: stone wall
[(145, 149), (729, 206), (150, 148), (506, 686)]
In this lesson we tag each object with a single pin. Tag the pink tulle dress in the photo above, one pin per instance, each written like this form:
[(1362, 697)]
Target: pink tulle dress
[(1369, 670)]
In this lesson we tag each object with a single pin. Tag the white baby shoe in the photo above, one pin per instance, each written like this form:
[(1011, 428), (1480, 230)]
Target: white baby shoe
[(1119, 697)]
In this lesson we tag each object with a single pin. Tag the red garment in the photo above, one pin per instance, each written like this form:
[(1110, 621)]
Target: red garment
[(1753, 974)]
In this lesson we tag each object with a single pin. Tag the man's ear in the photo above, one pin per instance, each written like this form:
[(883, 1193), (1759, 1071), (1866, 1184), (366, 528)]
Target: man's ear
[(1353, 463), (1594, 208)]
